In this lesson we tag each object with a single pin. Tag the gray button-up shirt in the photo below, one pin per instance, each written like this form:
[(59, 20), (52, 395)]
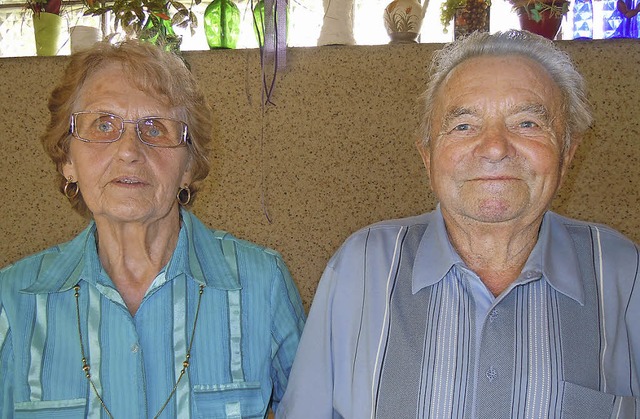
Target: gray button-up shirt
[(401, 328)]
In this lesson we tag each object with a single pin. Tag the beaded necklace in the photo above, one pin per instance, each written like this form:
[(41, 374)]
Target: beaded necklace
[(87, 368)]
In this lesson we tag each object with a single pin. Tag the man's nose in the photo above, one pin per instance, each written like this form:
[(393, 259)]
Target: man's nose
[(495, 143)]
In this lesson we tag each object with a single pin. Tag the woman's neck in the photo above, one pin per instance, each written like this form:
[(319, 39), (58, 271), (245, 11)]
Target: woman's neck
[(133, 253)]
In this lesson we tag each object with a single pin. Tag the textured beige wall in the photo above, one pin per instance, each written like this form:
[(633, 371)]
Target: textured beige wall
[(337, 151)]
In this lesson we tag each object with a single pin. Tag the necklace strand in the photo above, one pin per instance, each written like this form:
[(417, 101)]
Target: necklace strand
[(87, 368)]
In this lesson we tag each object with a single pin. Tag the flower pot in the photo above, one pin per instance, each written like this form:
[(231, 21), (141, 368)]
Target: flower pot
[(471, 18), (83, 37), (403, 19), (259, 26), (222, 24), (550, 20), (337, 23), (47, 28)]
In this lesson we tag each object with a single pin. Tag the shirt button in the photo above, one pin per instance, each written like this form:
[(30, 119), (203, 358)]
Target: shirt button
[(135, 348), (493, 314), (533, 274), (491, 374)]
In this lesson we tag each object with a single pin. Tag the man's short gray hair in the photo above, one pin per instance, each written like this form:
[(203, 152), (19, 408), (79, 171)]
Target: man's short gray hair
[(577, 112)]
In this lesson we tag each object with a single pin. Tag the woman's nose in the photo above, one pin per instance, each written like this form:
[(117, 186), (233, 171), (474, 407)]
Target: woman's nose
[(129, 145)]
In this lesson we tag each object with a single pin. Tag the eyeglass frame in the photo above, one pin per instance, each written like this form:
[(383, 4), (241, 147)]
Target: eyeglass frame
[(184, 140)]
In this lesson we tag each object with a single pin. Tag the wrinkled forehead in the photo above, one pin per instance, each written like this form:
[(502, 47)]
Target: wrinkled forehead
[(115, 79), (496, 77), (467, 68)]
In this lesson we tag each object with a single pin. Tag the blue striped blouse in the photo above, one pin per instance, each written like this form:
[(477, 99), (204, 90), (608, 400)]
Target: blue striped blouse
[(248, 329)]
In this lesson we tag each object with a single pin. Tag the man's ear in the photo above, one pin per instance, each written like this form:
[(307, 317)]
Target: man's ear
[(567, 158), (425, 153)]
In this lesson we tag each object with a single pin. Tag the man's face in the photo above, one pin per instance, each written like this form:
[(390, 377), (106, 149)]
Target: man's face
[(495, 154)]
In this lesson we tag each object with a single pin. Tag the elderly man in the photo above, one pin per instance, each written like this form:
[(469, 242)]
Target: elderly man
[(491, 306)]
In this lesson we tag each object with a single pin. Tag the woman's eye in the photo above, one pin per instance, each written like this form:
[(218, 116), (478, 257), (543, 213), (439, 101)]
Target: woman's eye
[(104, 127), (153, 131)]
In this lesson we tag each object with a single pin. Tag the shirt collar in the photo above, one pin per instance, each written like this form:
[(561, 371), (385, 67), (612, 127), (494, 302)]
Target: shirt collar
[(62, 267), (198, 254), (206, 260), (554, 256), (435, 255)]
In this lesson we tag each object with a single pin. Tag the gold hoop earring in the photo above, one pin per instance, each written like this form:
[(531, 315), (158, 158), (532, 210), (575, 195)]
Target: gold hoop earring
[(71, 188), (182, 199)]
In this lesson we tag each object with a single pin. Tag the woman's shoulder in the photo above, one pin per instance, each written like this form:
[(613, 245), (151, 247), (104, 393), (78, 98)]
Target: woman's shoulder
[(248, 246), (24, 272), (30, 262), (205, 233)]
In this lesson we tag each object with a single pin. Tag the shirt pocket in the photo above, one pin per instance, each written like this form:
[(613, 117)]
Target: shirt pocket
[(51, 409), (581, 402), (229, 401)]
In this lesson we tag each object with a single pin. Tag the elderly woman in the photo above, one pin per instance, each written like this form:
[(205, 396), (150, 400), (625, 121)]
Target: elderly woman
[(147, 312)]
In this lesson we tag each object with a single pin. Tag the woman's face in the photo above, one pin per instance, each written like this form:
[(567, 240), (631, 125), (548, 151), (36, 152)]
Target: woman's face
[(126, 181)]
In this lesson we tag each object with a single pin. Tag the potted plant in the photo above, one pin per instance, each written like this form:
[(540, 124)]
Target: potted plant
[(147, 19), (542, 17), (468, 16), (47, 6), (47, 25)]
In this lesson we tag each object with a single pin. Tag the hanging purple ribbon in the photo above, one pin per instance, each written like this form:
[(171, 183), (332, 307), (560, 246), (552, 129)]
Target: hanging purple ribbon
[(273, 57), (274, 51)]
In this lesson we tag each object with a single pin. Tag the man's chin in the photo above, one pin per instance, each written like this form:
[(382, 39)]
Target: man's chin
[(496, 211)]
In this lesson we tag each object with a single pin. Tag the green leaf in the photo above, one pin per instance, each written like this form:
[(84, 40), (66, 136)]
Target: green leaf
[(535, 15)]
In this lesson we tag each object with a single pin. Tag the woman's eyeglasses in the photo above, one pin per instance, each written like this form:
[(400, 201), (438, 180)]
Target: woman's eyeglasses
[(104, 127)]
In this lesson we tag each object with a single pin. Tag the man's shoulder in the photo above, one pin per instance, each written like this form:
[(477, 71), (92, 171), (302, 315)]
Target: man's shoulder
[(608, 247), (602, 233), (411, 221), (381, 237), (386, 230)]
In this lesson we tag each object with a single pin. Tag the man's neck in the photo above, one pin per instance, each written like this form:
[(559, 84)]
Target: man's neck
[(496, 252)]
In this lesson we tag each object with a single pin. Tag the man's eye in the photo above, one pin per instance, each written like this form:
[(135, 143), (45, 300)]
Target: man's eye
[(462, 127), (528, 124)]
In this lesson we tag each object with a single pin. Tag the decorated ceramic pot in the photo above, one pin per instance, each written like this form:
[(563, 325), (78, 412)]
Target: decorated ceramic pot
[(403, 19)]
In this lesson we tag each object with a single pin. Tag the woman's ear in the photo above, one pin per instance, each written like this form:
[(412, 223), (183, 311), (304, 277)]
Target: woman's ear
[(69, 171), (187, 175)]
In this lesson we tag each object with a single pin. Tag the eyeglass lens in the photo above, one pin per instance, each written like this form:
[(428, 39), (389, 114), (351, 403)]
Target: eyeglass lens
[(102, 127)]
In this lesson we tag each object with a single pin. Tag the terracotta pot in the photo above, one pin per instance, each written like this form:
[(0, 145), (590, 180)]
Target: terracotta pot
[(548, 26)]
